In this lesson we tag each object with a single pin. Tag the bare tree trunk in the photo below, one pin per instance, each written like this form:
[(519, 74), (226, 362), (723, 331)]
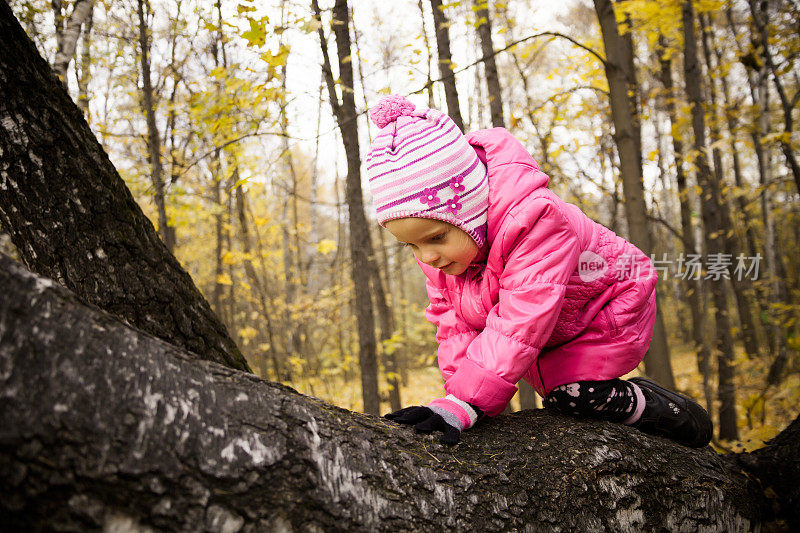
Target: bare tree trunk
[(780, 356), (758, 9), (153, 137), (85, 63), (693, 287), (386, 322), (741, 289), (216, 195), (429, 52), (152, 439), (89, 233), (628, 140), (67, 37), (714, 232), (360, 241), (484, 27), (380, 288), (742, 204), (762, 156), (265, 305), (772, 244), (446, 63)]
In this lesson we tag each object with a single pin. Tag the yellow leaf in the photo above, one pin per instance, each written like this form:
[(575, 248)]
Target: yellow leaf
[(229, 258), (224, 279), (248, 333), (256, 34), (326, 246)]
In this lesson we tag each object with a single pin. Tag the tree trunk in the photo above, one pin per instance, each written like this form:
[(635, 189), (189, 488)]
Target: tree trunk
[(429, 52), (780, 356), (386, 322), (85, 64), (153, 136), (446, 63), (265, 305), (484, 27), (628, 140), (758, 9), (292, 253), (772, 244), (741, 289), (153, 439), (219, 243), (379, 282), (742, 211), (67, 37), (87, 232), (693, 287), (713, 230), (360, 241)]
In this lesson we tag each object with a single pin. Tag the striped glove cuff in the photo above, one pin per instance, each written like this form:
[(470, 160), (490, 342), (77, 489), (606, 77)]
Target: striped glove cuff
[(455, 412)]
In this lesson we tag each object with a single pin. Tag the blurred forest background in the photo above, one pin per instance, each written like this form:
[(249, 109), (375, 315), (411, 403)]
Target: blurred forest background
[(239, 127)]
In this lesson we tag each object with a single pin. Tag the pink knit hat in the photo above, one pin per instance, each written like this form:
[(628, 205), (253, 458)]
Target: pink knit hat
[(420, 165)]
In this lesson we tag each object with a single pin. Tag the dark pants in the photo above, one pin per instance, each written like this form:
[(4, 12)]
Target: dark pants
[(612, 399)]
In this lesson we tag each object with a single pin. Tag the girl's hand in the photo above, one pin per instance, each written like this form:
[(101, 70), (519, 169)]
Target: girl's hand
[(425, 420)]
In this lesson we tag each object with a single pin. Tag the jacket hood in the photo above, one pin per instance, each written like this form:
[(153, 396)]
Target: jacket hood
[(513, 173)]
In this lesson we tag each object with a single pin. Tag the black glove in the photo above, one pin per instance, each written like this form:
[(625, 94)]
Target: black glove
[(425, 420)]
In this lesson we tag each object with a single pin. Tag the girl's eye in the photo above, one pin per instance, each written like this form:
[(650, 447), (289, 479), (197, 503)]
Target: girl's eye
[(438, 237)]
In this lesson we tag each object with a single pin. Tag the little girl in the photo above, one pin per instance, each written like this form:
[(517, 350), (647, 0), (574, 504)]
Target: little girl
[(521, 283)]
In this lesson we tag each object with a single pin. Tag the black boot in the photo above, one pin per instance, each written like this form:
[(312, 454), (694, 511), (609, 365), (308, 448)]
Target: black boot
[(672, 415)]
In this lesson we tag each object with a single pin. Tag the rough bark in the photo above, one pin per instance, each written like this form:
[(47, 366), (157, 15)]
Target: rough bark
[(360, 240), (154, 439), (446, 63), (712, 225), (627, 137), (484, 28), (72, 219)]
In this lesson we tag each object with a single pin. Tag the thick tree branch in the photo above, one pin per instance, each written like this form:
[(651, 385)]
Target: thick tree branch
[(151, 437), (72, 218)]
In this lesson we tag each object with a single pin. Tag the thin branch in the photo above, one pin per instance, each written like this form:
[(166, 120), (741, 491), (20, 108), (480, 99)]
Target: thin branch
[(666, 224), (512, 45)]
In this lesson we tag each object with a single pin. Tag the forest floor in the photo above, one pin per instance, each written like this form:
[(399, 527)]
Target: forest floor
[(762, 415)]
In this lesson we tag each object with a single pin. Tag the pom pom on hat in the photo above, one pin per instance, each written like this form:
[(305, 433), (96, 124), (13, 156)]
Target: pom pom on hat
[(389, 108)]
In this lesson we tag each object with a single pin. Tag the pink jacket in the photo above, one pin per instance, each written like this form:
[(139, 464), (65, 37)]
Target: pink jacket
[(557, 297)]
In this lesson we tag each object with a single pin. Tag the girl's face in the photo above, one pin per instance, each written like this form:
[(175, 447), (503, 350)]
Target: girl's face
[(435, 243)]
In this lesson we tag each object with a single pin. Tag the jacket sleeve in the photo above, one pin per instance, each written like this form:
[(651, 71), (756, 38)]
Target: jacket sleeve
[(540, 251), (453, 334)]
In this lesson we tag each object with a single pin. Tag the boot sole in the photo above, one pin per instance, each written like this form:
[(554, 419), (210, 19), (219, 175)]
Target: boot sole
[(694, 409)]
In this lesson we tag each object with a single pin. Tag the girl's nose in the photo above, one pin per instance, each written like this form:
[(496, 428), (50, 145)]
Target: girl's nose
[(428, 257)]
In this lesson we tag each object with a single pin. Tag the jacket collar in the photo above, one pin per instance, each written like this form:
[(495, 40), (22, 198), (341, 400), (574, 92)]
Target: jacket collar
[(510, 182)]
